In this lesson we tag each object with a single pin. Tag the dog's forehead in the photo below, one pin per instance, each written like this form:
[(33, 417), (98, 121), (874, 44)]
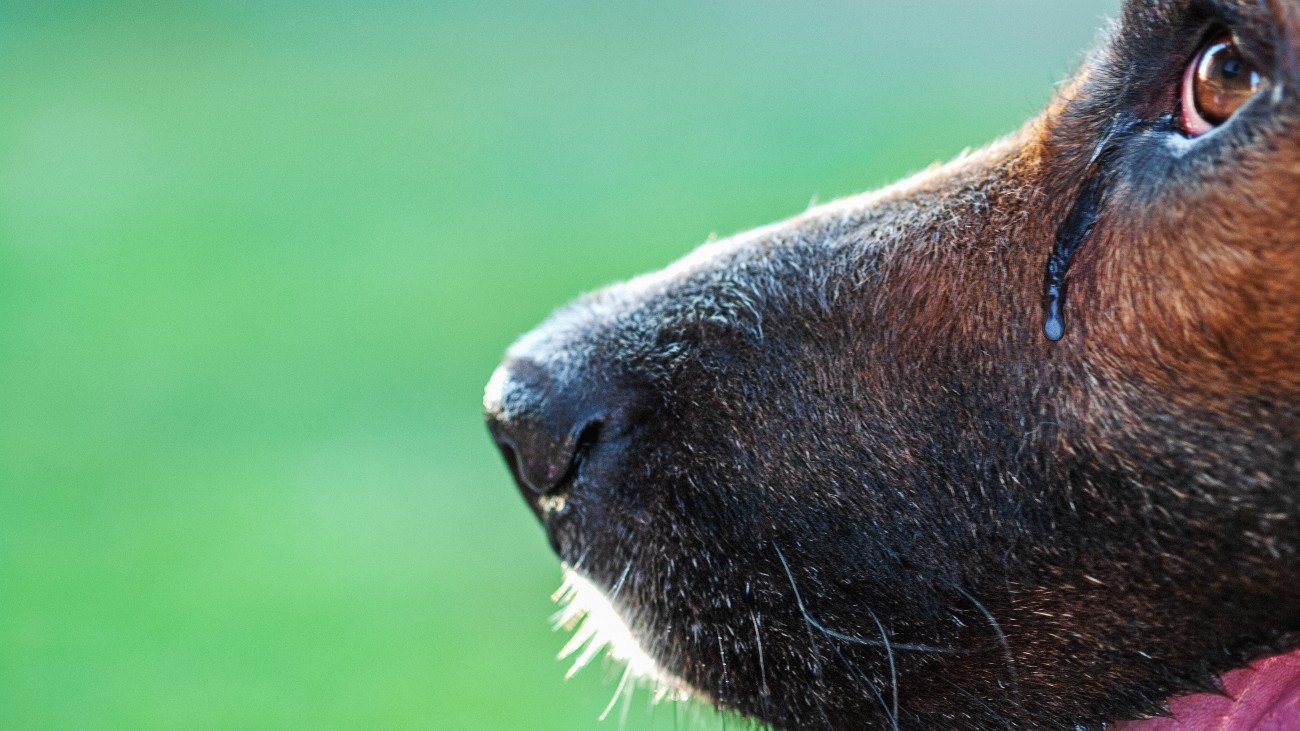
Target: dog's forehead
[(1232, 9), (1144, 22)]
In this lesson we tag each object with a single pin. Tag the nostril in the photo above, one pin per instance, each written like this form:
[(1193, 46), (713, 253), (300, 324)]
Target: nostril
[(587, 438), (537, 460), (544, 427)]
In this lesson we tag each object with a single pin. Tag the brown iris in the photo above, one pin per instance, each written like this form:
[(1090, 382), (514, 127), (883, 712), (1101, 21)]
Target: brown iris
[(1216, 84)]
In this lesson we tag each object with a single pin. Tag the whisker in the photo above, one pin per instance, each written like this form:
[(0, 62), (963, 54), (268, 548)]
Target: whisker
[(627, 705), (889, 652), (906, 646), (762, 666), (893, 720), (577, 565), (722, 657), (618, 585), (809, 623), (622, 685), (1002, 638)]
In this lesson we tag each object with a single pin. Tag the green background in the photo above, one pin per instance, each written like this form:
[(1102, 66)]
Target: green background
[(257, 260)]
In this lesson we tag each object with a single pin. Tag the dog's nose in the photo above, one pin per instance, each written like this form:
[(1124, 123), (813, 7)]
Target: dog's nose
[(541, 425)]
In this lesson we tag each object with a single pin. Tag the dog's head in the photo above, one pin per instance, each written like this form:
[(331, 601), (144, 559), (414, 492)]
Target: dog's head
[(1013, 444)]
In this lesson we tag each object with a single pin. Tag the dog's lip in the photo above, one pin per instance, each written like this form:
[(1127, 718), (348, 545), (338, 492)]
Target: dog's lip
[(1262, 697)]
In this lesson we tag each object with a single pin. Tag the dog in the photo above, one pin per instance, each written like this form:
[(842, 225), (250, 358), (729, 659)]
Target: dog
[(1013, 444)]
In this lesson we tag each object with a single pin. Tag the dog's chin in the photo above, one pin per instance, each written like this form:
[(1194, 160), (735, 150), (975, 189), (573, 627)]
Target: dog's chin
[(1262, 697)]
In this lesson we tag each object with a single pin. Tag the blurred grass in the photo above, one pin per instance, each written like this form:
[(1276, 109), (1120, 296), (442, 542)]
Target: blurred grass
[(258, 259)]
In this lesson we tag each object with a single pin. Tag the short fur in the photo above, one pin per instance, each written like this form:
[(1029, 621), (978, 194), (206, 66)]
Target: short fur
[(842, 480)]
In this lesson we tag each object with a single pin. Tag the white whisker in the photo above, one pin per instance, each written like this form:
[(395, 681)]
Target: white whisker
[(618, 693)]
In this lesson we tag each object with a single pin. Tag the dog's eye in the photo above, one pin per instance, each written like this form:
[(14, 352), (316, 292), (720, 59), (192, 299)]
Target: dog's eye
[(1216, 83)]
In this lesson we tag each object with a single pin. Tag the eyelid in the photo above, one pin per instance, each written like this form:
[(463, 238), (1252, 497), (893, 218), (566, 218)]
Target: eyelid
[(1255, 53), (1209, 17), (1257, 48)]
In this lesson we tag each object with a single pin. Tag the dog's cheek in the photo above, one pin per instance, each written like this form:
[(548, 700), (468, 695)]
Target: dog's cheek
[(1195, 288)]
